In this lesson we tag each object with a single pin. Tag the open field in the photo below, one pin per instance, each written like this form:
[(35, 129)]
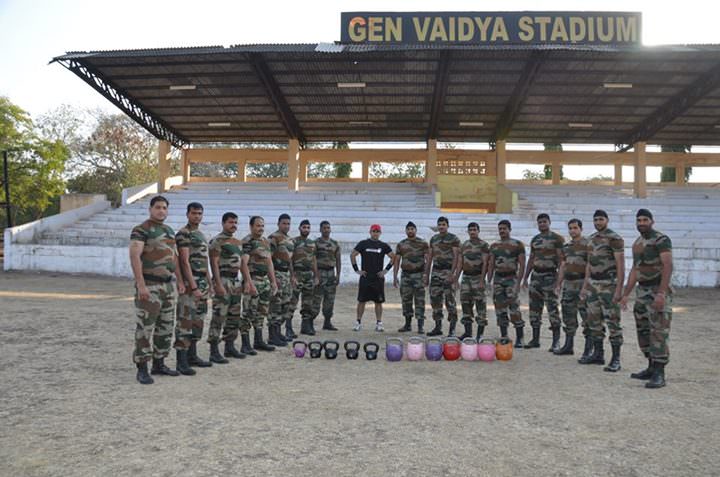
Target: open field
[(71, 406)]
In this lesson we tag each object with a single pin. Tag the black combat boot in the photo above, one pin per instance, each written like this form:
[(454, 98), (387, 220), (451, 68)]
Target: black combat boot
[(274, 335), (503, 331), (519, 337), (279, 334), (408, 325), (535, 342), (327, 324), (421, 323), (597, 356), (158, 367), (181, 363), (480, 331), (289, 332), (437, 330), (555, 340), (645, 374), (588, 351), (306, 328), (658, 378), (231, 351), (451, 330), (142, 374), (567, 348), (245, 347), (468, 331), (312, 326), (194, 359), (215, 355), (614, 365), (259, 344)]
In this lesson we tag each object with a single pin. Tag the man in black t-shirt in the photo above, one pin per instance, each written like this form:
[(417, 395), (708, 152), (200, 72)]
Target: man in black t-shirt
[(372, 275)]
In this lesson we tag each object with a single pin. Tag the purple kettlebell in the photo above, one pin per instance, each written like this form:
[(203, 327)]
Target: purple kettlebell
[(393, 349), (433, 349), (299, 348)]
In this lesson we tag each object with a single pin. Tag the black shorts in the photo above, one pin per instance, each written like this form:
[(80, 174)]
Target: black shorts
[(371, 290)]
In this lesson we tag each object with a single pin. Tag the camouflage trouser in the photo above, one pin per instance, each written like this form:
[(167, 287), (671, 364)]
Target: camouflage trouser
[(154, 322), (571, 305), (225, 321), (601, 309), (542, 293), (653, 327), (191, 313), (305, 293), (412, 292), (472, 295), (506, 301), (441, 290), (256, 307), (280, 303), (325, 294)]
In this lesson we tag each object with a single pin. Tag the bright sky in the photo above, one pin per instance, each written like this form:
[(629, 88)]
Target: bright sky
[(34, 31)]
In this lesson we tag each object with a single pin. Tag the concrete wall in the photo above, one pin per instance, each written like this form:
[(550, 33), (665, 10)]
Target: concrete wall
[(70, 202)]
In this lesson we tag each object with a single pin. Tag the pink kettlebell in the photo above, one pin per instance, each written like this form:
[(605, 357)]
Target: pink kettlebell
[(486, 349), (415, 348), (468, 349)]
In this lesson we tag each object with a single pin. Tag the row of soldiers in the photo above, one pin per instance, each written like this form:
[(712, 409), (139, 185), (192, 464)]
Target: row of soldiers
[(584, 275), (278, 272)]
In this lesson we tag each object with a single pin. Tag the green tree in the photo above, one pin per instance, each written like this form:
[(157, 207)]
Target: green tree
[(667, 174), (35, 166), (547, 170)]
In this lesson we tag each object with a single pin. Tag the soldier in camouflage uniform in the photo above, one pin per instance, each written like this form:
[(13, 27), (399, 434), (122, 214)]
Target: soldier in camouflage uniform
[(474, 255), (192, 306), (328, 260), (411, 255), (281, 246), (544, 261), (505, 267), (571, 279), (226, 260), (304, 264), (443, 260), (651, 270), (602, 289), (256, 303), (153, 258)]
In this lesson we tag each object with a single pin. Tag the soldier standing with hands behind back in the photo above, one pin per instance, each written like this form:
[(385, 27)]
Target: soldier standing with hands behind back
[(411, 255)]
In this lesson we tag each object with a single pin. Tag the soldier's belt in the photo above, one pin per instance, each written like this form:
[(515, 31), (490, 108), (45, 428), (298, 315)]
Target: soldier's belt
[(602, 276), (544, 270), (472, 274), (442, 268), (649, 283), (326, 269), (229, 274), (574, 276), (410, 272), (278, 269), (505, 274), (199, 274), (258, 275), (154, 279), (299, 269)]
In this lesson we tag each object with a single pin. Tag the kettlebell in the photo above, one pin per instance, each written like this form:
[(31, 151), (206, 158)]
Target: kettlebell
[(371, 350), (352, 349), (315, 348), (433, 349), (393, 349), (486, 349), (299, 348), (504, 349), (416, 348), (451, 348), (468, 349), (331, 349)]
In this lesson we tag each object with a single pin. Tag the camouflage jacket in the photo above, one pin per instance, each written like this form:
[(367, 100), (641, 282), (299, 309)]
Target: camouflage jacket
[(304, 252), (575, 254), (442, 250), (544, 248), (229, 250), (281, 246), (506, 254), (326, 251), (646, 257), (258, 251), (159, 251), (473, 253), (413, 252), (194, 240), (601, 249)]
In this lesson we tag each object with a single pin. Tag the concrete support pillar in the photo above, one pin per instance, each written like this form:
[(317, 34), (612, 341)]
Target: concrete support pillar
[(293, 164), (185, 167), (680, 173), (431, 164), (366, 171), (241, 170), (640, 186), (618, 179), (302, 177), (501, 161), (556, 172), (163, 164)]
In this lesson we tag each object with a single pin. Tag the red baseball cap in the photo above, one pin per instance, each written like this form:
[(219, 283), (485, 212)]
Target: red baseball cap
[(375, 227)]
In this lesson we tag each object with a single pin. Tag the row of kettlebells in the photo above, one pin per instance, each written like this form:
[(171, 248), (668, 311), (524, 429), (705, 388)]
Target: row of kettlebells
[(433, 349)]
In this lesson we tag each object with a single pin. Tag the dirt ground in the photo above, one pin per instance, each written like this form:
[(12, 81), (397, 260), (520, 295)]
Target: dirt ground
[(69, 403)]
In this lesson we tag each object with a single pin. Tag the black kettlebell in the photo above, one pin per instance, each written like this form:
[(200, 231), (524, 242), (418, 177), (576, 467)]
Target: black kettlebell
[(371, 350), (331, 349), (315, 348), (352, 349)]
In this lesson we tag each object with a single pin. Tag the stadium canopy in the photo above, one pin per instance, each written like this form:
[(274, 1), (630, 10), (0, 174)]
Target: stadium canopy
[(409, 92)]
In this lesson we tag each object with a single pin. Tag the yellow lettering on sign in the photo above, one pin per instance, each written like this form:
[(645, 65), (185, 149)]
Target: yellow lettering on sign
[(375, 29), (558, 31), (577, 29), (451, 29), (527, 32), (393, 29), (499, 30), (627, 29), (605, 29), (465, 29), (421, 31), (543, 23), (438, 30), (357, 30), (591, 28), (483, 24)]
